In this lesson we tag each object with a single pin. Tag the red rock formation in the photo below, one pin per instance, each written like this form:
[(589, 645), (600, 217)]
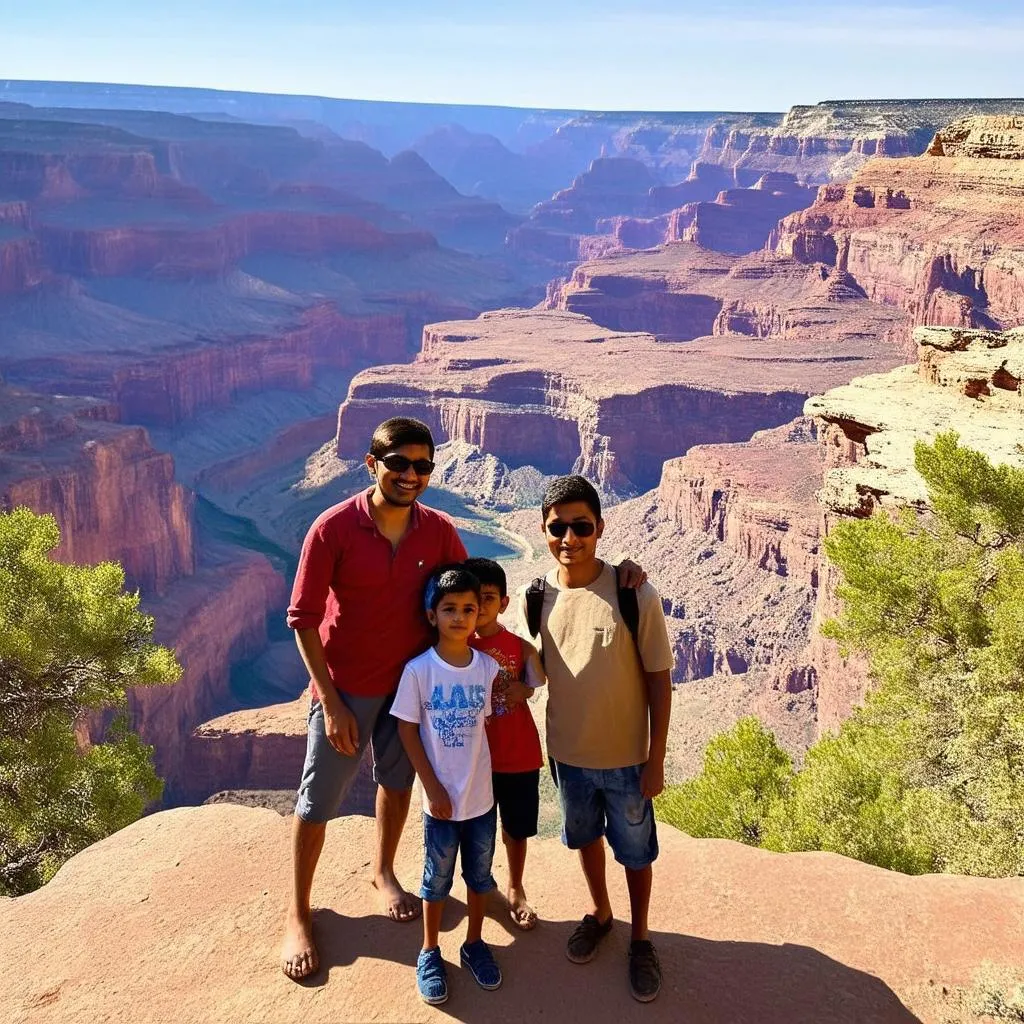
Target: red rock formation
[(757, 497), (22, 266), (740, 220), (553, 390), (185, 251), (940, 236), (261, 749), (212, 619), (174, 384), (113, 496), (199, 895), (680, 291)]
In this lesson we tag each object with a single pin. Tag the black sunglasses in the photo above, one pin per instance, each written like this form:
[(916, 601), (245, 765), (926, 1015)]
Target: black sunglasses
[(396, 463), (558, 528)]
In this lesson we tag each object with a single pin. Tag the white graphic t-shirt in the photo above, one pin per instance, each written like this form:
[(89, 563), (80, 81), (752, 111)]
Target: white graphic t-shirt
[(450, 705)]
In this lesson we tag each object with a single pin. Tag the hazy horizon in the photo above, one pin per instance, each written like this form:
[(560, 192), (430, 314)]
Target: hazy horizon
[(658, 57)]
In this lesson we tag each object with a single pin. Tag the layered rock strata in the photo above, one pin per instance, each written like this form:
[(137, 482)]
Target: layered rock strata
[(940, 236), (113, 495), (966, 381), (553, 390), (681, 291)]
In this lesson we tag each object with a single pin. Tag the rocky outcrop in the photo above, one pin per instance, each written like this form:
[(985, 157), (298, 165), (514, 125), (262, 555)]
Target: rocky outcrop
[(757, 497), (680, 291), (258, 750), (940, 236), (212, 619), (967, 381), (551, 389), (199, 894), (740, 220), (830, 141), (22, 266), (113, 496)]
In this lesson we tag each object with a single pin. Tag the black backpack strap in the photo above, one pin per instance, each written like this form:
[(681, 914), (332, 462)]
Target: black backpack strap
[(629, 609), (534, 605)]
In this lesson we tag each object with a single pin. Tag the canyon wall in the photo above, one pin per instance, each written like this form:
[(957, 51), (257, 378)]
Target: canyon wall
[(113, 496), (550, 389), (940, 236)]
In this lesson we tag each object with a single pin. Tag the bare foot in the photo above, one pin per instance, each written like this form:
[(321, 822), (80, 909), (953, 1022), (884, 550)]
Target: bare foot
[(298, 952), (399, 905), (522, 914)]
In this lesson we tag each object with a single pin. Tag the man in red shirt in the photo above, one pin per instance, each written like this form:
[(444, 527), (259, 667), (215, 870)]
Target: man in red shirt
[(356, 609)]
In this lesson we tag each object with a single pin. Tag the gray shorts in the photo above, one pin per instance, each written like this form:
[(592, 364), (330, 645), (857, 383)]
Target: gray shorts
[(327, 775)]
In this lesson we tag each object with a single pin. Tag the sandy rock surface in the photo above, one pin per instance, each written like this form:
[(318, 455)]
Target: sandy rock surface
[(177, 918)]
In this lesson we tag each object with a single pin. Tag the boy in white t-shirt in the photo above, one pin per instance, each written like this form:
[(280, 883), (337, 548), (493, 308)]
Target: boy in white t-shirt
[(443, 698)]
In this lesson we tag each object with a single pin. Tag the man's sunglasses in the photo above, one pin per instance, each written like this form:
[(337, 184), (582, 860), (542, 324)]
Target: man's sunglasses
[(558, 528), (396, 463)]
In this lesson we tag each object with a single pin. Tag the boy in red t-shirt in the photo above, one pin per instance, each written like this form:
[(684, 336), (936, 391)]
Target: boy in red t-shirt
[(516, 756)]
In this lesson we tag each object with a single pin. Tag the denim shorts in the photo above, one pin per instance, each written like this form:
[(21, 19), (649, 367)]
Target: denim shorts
[(327, 776), (442, 840), (607, 802)]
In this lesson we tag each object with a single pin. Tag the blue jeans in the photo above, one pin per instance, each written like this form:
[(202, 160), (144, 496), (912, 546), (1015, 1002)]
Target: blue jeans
[(442, 841), (607, 802)]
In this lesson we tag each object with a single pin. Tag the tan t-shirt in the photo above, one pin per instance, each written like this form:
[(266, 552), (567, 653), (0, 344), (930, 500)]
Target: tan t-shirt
[(597, 700)]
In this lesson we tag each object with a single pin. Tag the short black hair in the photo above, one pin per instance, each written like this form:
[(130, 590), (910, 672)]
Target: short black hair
[(448, 579), (570, 488), (398, 431), (489, 573)]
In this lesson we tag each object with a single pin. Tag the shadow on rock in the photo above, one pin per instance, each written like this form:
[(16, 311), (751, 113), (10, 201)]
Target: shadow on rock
[(705, 981)]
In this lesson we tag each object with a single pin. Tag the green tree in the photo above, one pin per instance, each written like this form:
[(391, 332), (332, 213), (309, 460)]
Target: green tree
[(929, 774), (745, 775), (71, 643)]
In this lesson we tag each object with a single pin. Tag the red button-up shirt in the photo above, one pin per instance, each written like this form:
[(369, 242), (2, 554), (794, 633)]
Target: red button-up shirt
[(366, 598)]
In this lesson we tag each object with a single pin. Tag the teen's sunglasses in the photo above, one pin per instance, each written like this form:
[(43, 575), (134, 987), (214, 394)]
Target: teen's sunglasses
[(396, 463), (558, 528)]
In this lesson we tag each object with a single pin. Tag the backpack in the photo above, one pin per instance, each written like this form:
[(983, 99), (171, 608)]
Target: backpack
[(629, 609)]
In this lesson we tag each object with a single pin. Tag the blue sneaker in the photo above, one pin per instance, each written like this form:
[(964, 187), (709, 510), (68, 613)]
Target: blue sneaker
[(431, 977), (477, 957)]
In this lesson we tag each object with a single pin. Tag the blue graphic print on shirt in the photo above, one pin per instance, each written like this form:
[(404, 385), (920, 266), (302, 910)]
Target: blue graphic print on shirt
[(454, 716)]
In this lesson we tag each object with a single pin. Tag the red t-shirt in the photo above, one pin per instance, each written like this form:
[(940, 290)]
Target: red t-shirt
[(511, 730), (366, 598)]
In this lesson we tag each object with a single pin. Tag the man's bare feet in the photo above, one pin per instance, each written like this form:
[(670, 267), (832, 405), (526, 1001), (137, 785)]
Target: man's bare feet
[(298, 952), (522, 914), (399, 905)]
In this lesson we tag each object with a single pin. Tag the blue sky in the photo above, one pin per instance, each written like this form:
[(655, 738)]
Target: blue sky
[(657, 55)]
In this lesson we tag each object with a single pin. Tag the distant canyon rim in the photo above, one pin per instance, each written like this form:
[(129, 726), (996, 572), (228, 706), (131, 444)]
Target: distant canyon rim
[(733, 323)]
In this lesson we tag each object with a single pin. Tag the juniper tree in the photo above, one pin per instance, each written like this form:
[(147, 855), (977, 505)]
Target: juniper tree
[(71, 642)]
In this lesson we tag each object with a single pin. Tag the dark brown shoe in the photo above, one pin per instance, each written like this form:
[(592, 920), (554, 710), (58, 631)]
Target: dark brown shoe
[(644, 970), (584, 940)]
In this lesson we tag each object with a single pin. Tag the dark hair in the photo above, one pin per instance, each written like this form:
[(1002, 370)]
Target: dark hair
[(448, 579), (489, 573), (570, 488), (398, 431)]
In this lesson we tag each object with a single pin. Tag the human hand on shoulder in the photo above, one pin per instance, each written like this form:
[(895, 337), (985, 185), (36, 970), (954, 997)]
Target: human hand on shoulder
[(439, 802), (630, 574)]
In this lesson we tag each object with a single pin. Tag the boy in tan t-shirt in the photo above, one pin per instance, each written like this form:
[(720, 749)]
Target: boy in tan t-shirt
[(609, 698)]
